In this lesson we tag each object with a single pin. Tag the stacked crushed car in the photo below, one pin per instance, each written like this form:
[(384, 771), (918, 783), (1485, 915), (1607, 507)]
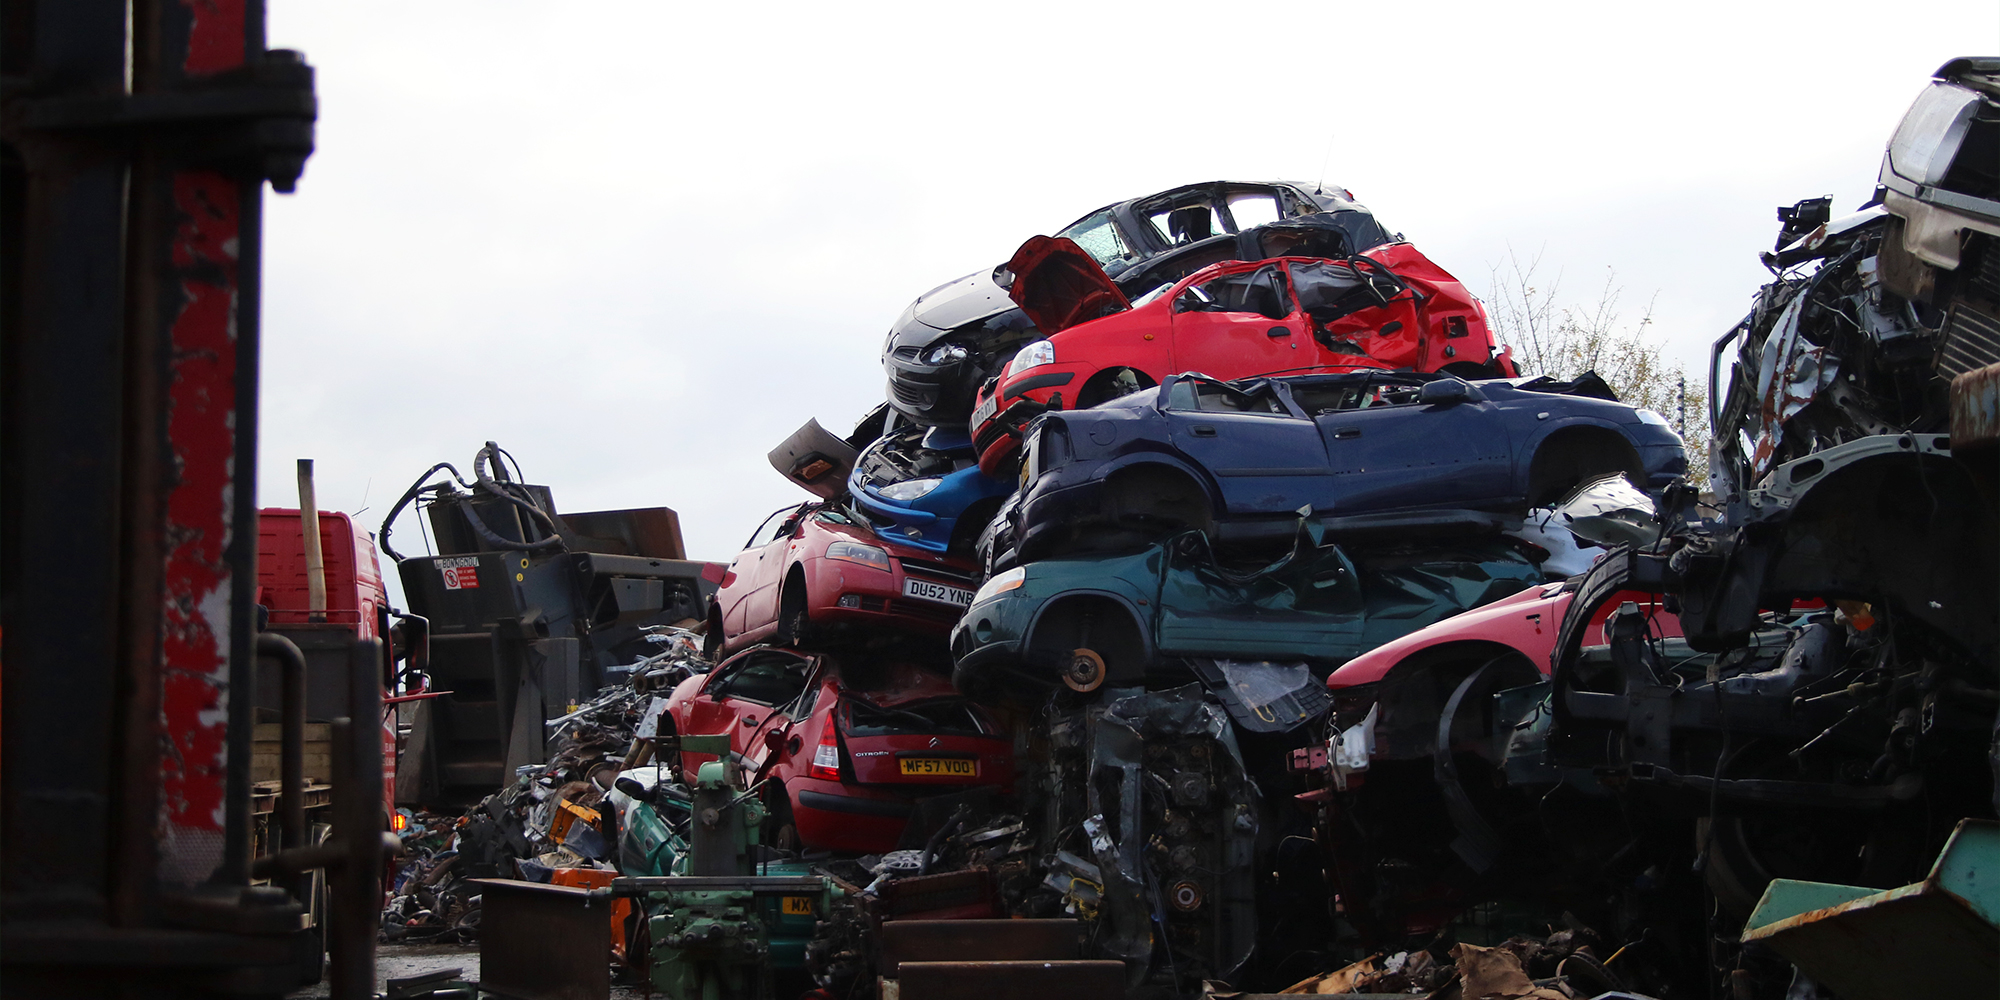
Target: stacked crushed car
[(1211, 589)]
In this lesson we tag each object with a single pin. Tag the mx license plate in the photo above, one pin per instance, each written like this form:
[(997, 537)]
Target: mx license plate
[(928, 591), (947, 766), (800, 906)]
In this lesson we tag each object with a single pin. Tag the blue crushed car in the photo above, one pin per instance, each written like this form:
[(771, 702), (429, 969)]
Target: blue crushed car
[(1388, 451), (922, 487)]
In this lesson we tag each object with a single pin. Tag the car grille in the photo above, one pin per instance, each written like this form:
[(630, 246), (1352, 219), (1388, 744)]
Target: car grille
[(939, 571), (929, 611), (912, 395)]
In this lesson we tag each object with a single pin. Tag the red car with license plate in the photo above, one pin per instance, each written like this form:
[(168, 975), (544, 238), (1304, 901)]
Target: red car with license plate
[(1387, 307), (854, 744), (813, 570)]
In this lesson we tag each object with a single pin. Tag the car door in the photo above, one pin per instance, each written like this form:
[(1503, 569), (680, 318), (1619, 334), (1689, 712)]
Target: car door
[(1386, 449), (1239, 325), (759, 568), (740, 699), (1265, 454)]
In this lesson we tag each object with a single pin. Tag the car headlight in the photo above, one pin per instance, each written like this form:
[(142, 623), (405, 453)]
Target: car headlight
[(1650, 417), (910, 489), (855, 552), (1001, 583), (1035, 355), (944, 354)]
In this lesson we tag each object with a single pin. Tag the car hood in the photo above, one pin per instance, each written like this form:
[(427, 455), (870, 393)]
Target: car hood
[(954, 304), (1059, 286), (815, 459)]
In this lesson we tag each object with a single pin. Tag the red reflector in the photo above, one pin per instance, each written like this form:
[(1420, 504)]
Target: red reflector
[(399, 822)]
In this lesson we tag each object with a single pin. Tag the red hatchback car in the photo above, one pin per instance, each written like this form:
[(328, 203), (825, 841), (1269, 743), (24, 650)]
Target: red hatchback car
[(814, 568), (854, 748), (1388, 307)]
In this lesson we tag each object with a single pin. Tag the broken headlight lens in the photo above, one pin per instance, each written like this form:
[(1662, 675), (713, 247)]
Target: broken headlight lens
[(1039, 353), (854, 552), (944, 354), (1000, 584), (910, 489)]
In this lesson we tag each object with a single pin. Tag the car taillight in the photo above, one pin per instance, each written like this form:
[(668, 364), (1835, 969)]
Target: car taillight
[(826, 759)]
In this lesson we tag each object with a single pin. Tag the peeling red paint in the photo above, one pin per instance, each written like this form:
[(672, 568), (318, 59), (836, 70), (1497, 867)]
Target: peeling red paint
[(215, 36), (201, 433)]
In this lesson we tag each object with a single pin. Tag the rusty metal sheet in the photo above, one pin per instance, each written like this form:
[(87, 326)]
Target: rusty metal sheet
[(1075, 980), (977, 941), (1975, 407), (544, 942)]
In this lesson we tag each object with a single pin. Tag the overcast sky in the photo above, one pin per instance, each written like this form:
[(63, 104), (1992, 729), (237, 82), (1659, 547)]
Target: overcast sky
[(638, 244)]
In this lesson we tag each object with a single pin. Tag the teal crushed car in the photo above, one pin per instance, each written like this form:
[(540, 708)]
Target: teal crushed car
[(1125, 617)]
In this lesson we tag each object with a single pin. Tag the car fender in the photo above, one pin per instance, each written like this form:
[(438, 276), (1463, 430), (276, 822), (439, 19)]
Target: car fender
[(1169, 460), (1144, 621), (1525, 452)]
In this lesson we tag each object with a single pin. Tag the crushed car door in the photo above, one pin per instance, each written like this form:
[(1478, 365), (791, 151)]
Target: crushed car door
[(1239, 325), (1265, 455), (761, 565), (739, 699), (1307, 603), (1388, 448)]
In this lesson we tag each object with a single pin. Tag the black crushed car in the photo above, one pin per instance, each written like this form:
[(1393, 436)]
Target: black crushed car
[(1371, 450), (957, 335)]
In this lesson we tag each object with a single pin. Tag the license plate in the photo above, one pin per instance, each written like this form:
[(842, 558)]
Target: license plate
[(928, 591), (800, 906), (951, 766), (986, 409)]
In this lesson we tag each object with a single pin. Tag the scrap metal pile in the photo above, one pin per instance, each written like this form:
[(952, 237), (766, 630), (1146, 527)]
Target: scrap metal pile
[(1211, 587)]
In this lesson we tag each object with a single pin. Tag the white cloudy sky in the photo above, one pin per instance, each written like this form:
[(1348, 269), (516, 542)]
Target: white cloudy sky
[(637, 244)]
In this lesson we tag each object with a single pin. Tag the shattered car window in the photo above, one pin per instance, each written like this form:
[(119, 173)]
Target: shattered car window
[(1099, 237), (1221, 397), (765, 680), (1252, 209), (1329, 396), (1330, 290)]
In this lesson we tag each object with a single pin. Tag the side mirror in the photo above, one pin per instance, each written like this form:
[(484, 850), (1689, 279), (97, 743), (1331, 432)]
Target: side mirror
[(1444, 391), (631, 788)]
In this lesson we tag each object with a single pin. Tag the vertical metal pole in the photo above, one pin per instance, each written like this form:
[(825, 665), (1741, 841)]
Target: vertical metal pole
[(1684, 407), (360, 824), (315, 556)]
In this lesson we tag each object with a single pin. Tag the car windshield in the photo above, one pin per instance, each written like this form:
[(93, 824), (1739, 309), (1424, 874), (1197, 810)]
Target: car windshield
[(1099, 237), (939, 715)]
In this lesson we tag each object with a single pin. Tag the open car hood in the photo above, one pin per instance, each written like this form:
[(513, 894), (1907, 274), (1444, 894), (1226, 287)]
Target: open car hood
[(1059, 286), (816, 459)]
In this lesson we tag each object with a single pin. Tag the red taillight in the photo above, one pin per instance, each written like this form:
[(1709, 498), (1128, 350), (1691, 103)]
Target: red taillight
[(826, 757)]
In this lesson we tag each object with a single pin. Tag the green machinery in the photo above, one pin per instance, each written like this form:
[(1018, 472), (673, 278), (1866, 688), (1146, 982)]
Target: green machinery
[(721, 923), (1936, 938)]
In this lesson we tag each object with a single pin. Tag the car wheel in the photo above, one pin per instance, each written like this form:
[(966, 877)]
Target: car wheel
[(1108, 385), (794, 625), (1156, 499), (1084, 672)]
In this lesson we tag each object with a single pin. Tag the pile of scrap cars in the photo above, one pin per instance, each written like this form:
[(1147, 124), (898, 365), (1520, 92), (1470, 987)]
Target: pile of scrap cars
[(1212, 588)]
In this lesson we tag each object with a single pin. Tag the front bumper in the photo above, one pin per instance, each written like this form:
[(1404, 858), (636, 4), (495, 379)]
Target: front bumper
[(990, 637), (932, 394)]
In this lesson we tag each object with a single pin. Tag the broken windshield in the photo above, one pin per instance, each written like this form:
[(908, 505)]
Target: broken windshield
[(1099, 237)]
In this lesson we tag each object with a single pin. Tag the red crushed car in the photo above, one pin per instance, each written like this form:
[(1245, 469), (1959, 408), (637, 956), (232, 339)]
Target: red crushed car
[(854, 744), (1388, 307), (815, 568)]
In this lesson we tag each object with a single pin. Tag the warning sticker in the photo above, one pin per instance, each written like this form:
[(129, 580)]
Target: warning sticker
[(460, 573)]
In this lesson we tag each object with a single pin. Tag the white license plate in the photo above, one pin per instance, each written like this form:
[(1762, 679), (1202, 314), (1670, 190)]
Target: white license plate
[(986, 409), (928, 591)]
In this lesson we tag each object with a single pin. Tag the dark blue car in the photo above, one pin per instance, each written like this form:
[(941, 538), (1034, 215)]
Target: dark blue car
[(1393, 450), (922, 486)]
